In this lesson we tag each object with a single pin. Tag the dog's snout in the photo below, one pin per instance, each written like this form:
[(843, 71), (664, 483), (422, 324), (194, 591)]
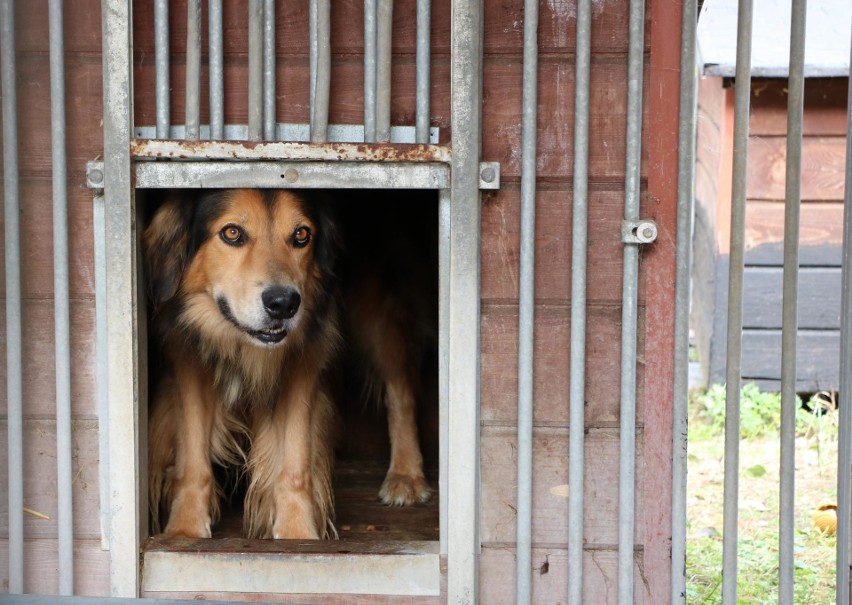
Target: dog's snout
[(281, 302)]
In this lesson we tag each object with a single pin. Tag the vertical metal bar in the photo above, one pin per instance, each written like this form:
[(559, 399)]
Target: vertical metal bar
[(320, 17), (255, 75), (125, 480), (384, 27), (217, 77), (193, 69), (14, 386), (526, 306), (102, 366), (62, 316), (735, 304), (629, 310), (844, 454), (465, 270), (444, 216), (579, 241), (161, 61), (579, 238), (269, 116), (370, 11), (424, 18), (790, 323), (685, 197)]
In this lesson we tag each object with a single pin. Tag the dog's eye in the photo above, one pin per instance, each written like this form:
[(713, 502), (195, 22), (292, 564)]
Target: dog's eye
[(301, 237), (231, 234)]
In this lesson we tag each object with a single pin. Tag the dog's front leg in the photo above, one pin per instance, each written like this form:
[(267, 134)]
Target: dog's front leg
[(289, 494), (193, 501)]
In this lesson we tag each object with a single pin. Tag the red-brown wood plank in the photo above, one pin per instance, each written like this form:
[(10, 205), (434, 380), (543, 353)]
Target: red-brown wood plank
[(503, 27), (823, 168), (550, 479), (84, 110), (550, 577), (39, 384), (36, 221), (501, 244), (41, 575), (663, 88), (499, 383), (824, 109), (820, 233), (40, 480)]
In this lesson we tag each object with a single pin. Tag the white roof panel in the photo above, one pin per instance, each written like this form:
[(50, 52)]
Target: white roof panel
[(827, 37)]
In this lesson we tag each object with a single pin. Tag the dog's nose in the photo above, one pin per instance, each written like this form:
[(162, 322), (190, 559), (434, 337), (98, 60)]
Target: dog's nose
[(281, 302)]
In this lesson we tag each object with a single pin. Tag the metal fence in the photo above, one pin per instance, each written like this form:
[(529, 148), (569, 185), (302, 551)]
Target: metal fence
[(295, 155)]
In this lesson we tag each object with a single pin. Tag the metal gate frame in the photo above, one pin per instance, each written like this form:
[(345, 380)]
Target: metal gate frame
[(129, 164)]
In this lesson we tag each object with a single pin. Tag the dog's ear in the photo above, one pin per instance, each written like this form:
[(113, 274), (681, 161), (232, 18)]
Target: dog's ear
[(166, 248)]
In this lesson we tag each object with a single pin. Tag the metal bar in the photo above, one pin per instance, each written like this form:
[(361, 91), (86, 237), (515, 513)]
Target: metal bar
[(579, 241), (241, 151), (735, 304), (295, 175), (444, 214), (127, 522), (216, 70), (629, 308), (62, 315), (384, 60), (14, 387), (370, 10), (320, 14), (790, 323), (193, 69), (269, 116), (255, 68), (424, 19), (685, 204), (102, 365), (844, 454), (465, 270), (161, 61), (526, 306)]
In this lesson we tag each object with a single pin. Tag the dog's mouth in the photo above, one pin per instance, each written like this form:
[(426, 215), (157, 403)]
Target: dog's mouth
[(270, 336)]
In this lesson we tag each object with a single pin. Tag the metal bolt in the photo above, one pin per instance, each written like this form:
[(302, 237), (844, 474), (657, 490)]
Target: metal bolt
[(488, 174), (291, 175), (648, 232), (96, 176)]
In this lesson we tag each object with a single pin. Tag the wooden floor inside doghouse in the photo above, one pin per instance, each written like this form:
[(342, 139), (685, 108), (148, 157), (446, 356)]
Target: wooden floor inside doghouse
[(361, 518)]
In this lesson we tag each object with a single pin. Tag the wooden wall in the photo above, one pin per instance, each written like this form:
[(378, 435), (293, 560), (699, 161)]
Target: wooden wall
[(84, 142), (823, 158), (500, 251)]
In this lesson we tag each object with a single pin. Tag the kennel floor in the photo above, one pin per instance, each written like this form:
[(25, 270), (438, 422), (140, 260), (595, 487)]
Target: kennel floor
[(363, 523)]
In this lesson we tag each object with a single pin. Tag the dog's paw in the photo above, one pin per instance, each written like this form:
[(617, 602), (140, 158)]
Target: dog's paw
[(404, 490), (189, 530)]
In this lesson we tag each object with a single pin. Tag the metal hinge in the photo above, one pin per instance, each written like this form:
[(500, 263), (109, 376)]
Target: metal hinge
[(643, 231)]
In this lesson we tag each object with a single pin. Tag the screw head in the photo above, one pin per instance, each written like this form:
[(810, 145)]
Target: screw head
[(488, 174), (96, 176), (291, 175), (649, 232)]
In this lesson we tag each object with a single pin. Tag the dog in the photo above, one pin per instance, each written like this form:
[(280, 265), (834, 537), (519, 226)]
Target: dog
[(250, 298)]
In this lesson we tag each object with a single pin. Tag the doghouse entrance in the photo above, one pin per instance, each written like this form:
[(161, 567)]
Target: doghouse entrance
[(387, 268), (394, 237)]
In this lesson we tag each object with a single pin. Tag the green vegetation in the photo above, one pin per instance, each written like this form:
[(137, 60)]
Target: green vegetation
[(816, 461)]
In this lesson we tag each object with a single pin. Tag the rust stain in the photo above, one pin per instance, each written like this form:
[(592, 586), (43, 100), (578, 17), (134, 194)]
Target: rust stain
[(298, 151)]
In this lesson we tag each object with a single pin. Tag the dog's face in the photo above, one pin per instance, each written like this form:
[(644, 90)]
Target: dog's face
[(246, 264)]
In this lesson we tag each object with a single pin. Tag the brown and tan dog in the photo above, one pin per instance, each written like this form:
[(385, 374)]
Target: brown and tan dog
[(247, 303)]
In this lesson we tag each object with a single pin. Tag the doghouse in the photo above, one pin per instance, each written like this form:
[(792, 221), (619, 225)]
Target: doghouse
[(144, 113)]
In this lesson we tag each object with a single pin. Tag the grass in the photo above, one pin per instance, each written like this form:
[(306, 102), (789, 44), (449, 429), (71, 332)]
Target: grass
[(816, 461)]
